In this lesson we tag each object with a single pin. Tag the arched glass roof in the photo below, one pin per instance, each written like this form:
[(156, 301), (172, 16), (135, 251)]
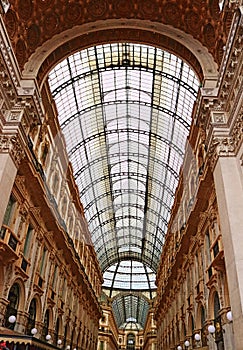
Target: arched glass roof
[(129, 275), (125, 111), (130, 311)]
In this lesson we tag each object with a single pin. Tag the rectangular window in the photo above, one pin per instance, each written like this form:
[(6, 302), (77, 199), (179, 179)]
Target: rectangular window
[(54, 281), (216, 249), (28, 238), (42, 263), (208, 245), (64, 288), (9, 211), (101, 345)]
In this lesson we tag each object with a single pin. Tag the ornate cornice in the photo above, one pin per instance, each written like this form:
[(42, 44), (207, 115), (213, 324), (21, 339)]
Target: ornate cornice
[(226, 145), (20, 93), (11, 144)]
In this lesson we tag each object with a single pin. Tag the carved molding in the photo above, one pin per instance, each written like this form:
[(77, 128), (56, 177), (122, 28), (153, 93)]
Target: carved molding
[(229, 70), (227, 145), (11, 144), (235, 4), (19, 92)]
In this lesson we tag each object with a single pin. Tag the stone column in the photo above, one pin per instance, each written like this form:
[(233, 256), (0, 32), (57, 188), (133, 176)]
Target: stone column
[(228, 178)]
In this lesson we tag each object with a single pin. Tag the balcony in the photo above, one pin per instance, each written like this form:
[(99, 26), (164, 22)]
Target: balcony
[(9, 245)]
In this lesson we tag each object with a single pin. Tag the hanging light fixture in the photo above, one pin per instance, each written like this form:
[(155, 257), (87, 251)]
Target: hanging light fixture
[(229, 316), (187, 343), (34, 331), (12, 319), (211, 329)]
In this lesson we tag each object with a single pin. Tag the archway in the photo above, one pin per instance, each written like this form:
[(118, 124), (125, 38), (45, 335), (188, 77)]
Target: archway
[(12, 308), (219, 340), (131, 341), (32, 316)]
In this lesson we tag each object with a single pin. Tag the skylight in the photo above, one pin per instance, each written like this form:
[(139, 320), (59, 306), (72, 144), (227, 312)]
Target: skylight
[(125, 111)]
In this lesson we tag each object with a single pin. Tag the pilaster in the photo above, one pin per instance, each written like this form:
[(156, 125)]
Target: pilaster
[(228, 184)]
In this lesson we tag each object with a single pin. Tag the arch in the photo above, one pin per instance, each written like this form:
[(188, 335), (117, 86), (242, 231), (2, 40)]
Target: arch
[(200, 316), (31, 316), (211, 303), (73, 339), (66, 334), (46, 324), (58, 327), (38, 307), (131, 341), (216, 304), (13, 305), (51, 320), (190, 324), (175, 19), (219, 339), (137, 31), (22, 295)]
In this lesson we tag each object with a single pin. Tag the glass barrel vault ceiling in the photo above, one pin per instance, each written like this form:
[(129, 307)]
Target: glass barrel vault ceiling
[(125, 111)]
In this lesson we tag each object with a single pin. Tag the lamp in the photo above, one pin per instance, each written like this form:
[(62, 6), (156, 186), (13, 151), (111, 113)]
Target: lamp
[(197, 337), (48, 337), (187, 343), (229, 316), (68, 347), (59, 342), (33, 331), (211, 329), (179, 347), (12, 319)]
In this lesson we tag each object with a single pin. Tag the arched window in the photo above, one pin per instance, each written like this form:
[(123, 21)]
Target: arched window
[(204, 330), (191, 324), (66, 333), (12, 308), (184, 329), (131, 341), (56, 331), (31, 317), (219, 340), (216, 305), (46, 324), (78, 343), (203, 316)]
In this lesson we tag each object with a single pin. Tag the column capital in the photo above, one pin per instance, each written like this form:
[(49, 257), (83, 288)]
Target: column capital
[(224, 142), (11, 144)]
